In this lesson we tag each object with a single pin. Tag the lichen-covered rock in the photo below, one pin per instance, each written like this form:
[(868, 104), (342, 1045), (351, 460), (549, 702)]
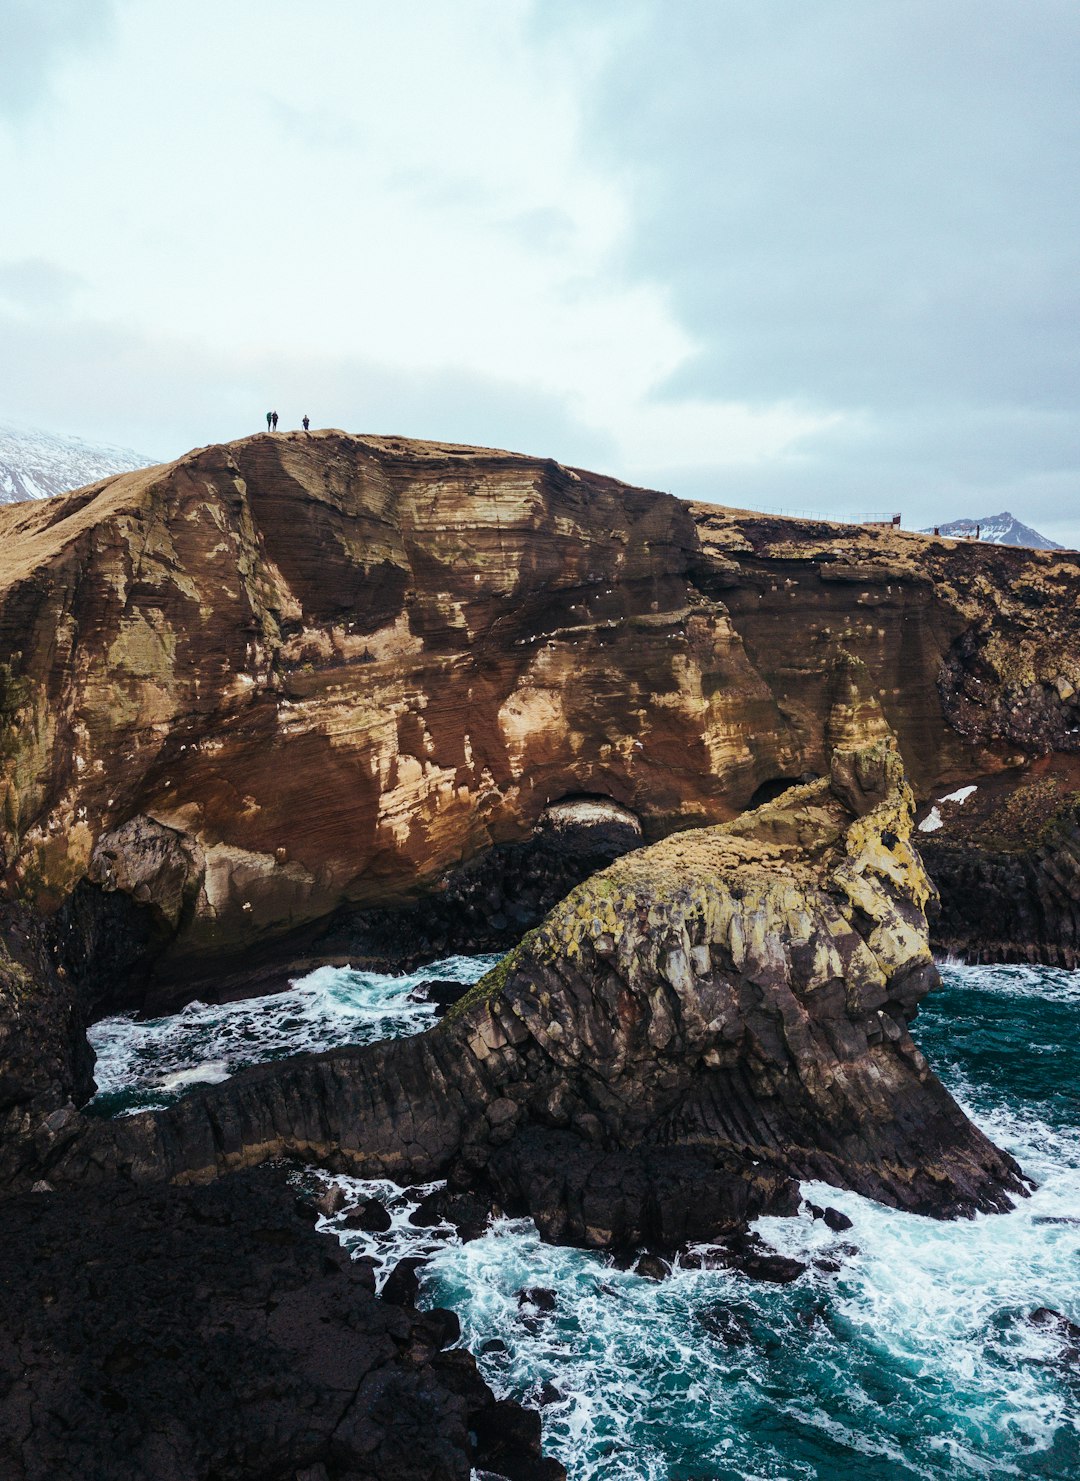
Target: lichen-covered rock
[(739, 994)]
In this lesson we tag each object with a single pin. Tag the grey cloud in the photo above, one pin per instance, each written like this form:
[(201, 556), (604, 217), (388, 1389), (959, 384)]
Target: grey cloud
[(866, 207), (37, 34)]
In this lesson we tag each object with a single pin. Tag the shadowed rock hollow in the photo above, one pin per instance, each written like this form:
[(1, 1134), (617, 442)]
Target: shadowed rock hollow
[(707, 1020)]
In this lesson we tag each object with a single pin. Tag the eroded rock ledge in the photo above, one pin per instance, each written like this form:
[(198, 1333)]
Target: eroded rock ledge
[(727, 1011)]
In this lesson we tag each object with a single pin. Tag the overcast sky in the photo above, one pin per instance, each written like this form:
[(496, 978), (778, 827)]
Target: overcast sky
[(818, 255)]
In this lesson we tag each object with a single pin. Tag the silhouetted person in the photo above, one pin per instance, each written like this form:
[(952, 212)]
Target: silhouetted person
[(307, 422), (273, 418), (269, 419)]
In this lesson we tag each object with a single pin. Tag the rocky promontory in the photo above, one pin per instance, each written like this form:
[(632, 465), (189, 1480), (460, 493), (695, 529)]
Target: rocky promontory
[(726, 1011), (325, 698)]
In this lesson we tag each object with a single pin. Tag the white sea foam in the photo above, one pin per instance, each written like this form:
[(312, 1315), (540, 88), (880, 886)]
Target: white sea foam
[(931, 823), (149, 1063), (1018, 980), (916, 1358)]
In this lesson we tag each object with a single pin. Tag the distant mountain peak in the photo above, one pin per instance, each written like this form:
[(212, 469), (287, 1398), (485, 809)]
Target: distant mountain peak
[(35, 464), (995, 529)]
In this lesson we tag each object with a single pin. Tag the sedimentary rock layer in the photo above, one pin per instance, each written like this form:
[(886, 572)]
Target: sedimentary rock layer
[(294, 678), (735, 997)]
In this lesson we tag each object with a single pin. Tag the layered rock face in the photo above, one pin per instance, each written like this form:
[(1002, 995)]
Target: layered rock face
[(252, 701), (722, 1012), (329, 669), (973, 651), (265, 693), (1007, 862)]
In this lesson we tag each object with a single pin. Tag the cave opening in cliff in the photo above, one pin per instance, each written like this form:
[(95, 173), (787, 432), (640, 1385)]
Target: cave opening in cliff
[(774, 787)]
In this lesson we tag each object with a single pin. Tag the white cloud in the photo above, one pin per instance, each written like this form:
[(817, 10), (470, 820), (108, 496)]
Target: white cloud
[(663, 240)]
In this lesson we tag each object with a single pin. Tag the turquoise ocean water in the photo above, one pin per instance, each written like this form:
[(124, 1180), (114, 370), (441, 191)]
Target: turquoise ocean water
[(916, 1357)]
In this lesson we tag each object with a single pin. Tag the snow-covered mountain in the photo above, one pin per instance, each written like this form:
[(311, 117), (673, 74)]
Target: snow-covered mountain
[(996, 529), (35, 464)]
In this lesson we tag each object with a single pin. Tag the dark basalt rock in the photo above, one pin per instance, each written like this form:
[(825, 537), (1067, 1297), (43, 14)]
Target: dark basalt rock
[(202, 1334), (46, 1064), (720, 1321), (1067, 1332), (372, 1216), (403, 1283), (689, 1033), (1017, 905), (580, 1194), (749, 1255)]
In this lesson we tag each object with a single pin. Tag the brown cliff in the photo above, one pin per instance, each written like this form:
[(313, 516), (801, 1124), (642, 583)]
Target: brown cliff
[(257, 703)]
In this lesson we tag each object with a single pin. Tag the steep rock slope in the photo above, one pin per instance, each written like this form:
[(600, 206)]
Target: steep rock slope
[(1006, 859), (332, 668), (717, 1015), (307, 679)]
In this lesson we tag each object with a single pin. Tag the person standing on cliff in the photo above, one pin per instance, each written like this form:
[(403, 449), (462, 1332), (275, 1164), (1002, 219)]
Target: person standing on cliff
[(306, 420), (269, 418), (273, 418)]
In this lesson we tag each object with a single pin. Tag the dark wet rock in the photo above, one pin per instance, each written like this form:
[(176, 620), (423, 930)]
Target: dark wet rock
[(428, 1212), (814, 1210), (728, 1326), (364, 1268), (331, 1200), (372, 1216), (753, 1258), (403, 1283), (509, 1438), (836, 1221), (199, 1334), (492, 1346), (468, 1211), (547, 1394), (46, 1064), (580, 1194), (538, 1298), (1067, 1332), (444, 994), (652, 1267), (827, 1264)]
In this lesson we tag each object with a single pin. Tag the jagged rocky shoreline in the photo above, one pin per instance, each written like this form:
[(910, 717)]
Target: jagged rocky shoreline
[(328, 699)]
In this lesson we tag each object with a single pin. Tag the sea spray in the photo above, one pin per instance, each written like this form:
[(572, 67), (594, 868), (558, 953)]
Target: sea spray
[(907, 1348), (146, 1065)]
